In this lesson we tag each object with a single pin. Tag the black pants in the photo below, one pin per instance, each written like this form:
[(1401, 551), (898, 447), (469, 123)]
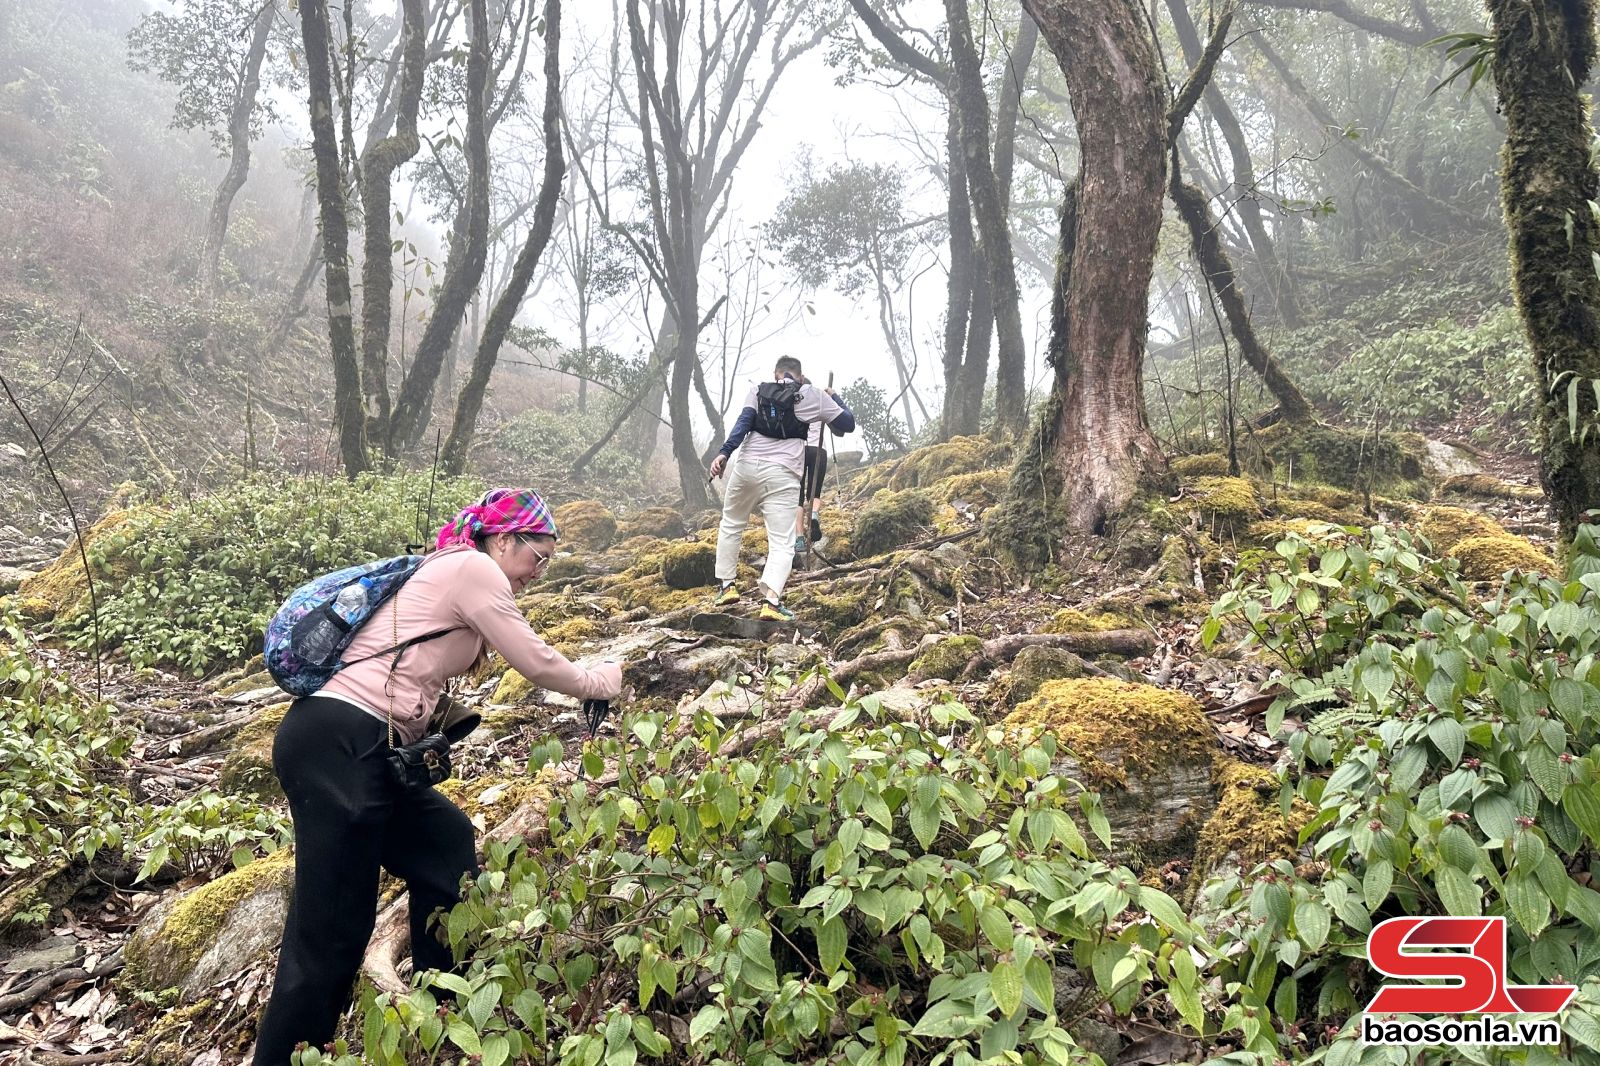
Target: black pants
[(350, 820)]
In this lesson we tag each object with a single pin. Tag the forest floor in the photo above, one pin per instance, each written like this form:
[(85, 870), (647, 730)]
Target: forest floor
[(60, 1000)]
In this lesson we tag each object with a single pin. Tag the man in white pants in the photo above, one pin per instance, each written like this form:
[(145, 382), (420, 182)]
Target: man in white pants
[(772, 431)]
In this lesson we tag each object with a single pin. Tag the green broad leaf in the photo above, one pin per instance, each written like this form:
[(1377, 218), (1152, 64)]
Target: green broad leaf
[(817, 896), (1546, 770), (1495, 815), (1449, 737), (1162, 907), (999, 1038), (1581, 801), (1286, 1001), (997, 929), (1528, 902), (1005, 984), (647, 979), (1041, 829), (1036, 979), (619, 1030), (1312, 923), (927, 794), (496, 1049), (924, 824), (706, 1021), (1457, 848), (1408, 767), (464, 1037), (1456, 786), (1376, 882), (850, 832), (831, 941), (482, 1004), (1458, 892), (1275, 895), (946, 1019)]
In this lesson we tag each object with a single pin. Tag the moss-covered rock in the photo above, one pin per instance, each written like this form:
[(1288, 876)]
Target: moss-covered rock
[(586, 524), (1270, 531), (1149, 752), (1210, 464), (1031, 669), (1488, 558), (1445, 527), (1490, 487), (1248, 826), (61, 587), (936, 462), (663, 522), (946, 659), (891, 520), (488, 800), (248, 766), (1346, 458), (216, 930), (1223, 500), (571, 636), (689, 565), (1072, 620)]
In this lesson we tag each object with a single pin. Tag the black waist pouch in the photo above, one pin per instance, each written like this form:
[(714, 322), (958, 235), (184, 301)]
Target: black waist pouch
[(421, 765)]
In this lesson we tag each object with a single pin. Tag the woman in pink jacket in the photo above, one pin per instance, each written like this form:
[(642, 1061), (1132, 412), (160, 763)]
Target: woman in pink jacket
[(351, 819)]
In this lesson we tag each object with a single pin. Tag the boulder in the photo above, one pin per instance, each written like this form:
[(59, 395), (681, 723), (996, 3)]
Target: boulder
[(689, 564), (664, 522), (248, 766), (891, 520), (1487, 558), (206, 935), (1032, 668), (12, 577), (725, 702), (1148, 751), (586, 524), (1248, 826)]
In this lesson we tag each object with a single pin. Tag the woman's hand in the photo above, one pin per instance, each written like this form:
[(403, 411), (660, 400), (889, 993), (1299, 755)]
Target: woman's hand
[(611, 674)]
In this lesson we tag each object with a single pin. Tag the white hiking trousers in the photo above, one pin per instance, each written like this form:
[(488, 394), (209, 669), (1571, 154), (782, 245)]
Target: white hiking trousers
[(770, 488)]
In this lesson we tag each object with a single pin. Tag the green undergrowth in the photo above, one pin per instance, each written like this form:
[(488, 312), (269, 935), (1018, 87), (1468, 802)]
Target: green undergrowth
[(191, 583), (61, 792)]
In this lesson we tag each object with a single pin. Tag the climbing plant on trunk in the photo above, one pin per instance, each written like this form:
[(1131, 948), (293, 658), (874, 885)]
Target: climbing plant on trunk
[(1092, 446), (1544, 51)]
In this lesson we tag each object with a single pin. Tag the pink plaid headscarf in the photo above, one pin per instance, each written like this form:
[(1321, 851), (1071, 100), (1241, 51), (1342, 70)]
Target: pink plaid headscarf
[(500, 511)]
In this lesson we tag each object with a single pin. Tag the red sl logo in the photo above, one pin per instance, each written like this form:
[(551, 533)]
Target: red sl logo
[(1479, 976)]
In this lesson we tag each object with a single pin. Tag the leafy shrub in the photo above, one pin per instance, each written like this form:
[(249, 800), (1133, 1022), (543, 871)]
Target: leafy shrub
[(57, 750), (192, 584), (1461, 776), (874, 891)]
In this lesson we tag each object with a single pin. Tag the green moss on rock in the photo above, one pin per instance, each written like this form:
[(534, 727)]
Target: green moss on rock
[(947, 658), (1248, 826), (1114, 725), (891, 520), (1214, 464), (586, 524), (248, 766), (688, 565), (1224, 499), (663, 522), (1445, 527), (1490, 487), (1072, 620), (1488, 558)]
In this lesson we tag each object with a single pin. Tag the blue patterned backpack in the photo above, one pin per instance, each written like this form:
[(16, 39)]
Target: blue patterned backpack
[(310, 632)]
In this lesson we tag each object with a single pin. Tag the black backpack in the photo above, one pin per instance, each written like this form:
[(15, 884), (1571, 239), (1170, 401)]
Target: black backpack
[(775, 415)]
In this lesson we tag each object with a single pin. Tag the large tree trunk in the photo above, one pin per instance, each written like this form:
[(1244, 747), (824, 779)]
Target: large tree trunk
[(1100, 443), (335, 239), (470, 402), (1248, 203), (994, 237), (1213, 260), (244, 106), (464, 266), (1544, 50), (378, 164)]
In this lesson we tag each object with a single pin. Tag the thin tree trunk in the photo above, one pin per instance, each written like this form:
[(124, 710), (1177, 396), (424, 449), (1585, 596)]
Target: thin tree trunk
[(1284, 297), (244, 106), (378, 164), (335, 239), (994, 238), (958, 293), (1208, 251), (1543, 54), (414, 405), (470, 402), (1098, 439)]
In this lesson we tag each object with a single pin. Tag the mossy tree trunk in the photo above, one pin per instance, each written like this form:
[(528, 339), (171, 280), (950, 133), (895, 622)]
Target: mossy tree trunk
[(1543, 53), (1099, 441)]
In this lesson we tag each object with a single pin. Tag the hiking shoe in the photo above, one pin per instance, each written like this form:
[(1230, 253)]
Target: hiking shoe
[(727, 597), (816, 530), (776, 612), (800, 545)]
